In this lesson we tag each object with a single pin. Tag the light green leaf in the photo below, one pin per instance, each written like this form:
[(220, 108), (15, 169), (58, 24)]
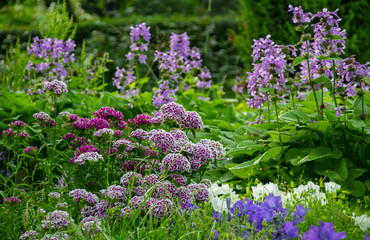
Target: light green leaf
[(318, 153), (271, 153), (298, 60)]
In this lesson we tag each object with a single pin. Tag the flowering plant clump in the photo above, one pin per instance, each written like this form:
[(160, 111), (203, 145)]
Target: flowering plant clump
[(52, 57), (175, 65)]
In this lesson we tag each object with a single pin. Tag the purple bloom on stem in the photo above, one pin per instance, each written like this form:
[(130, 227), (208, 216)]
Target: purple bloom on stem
[(325, 231)]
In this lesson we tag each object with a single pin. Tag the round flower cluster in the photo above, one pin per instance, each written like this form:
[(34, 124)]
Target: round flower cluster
[(45, 120), (14, 200), (176, 162), (56, 220), (88, 156), (109, 114), (29, 235), (78, 194), (85, 124), (54, 194), (217, 150), (18, 125), (91, 225), (115, 192), (139, 134), (131, 179), (124, 145), (68, 117), (173, 111), (12, 133), (56, 236), (180, 179), (56, 87), (31, 150), (139, 119), (131, 165), (104, 132), (192, 120), (162, 139), (68, 136)]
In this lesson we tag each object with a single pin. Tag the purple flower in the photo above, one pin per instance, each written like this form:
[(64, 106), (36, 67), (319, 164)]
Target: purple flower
[(288, 231), (299, 16), (176, 162), (29, 235), (31, 150), (299, 215), (325, 231), (57, 220), (18, 125), (164, 95), (11, 200), (78, 194)]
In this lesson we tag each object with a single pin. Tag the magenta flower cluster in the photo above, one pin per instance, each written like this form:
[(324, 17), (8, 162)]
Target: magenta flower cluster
[(44, 120), (56, 87)]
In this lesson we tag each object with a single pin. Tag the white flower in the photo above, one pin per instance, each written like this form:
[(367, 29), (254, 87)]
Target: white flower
[(218, 196), (331, 187), (261, 190), (215, 190), (362, 221)]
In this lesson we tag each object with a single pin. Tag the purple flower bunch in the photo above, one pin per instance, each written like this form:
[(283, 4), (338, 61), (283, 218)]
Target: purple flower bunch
[(269, 72), (11, 134), (31, 150), (179, 61), (52, 56), (88, 197), (11, 200), (29, 235), (18, 125), (325, 231), (57, 220), (44, 120), (140, 39), (56, 87)]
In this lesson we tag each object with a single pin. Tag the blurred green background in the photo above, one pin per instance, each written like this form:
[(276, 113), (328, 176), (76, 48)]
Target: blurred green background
[(223, 30)]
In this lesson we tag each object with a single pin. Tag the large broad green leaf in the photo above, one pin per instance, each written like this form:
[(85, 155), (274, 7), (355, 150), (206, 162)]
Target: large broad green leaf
[(317, 153), (247, 143), (244, 170), (357, 188), (334, 169), (271, 153), (298, 116), (296, 154), (321, 127), (240, 151)]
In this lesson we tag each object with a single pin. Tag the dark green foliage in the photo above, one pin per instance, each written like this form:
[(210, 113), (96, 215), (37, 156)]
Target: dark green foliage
[(260, 18)]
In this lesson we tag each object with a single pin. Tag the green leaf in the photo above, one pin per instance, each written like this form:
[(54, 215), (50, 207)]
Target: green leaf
[(271, 153), (244, 170), (367, 80), (246, 143), (322, 79), (240, 151), (334, 169), (321, 127), (318, 153), (298, 60), (357, 188), (295, 116)]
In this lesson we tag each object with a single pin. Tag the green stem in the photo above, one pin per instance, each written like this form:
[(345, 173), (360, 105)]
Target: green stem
[(310, 80), (277, 121), (268, 107)]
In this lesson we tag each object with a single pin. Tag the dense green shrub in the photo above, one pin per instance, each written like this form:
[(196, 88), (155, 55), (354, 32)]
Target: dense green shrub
[(259, 18)]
